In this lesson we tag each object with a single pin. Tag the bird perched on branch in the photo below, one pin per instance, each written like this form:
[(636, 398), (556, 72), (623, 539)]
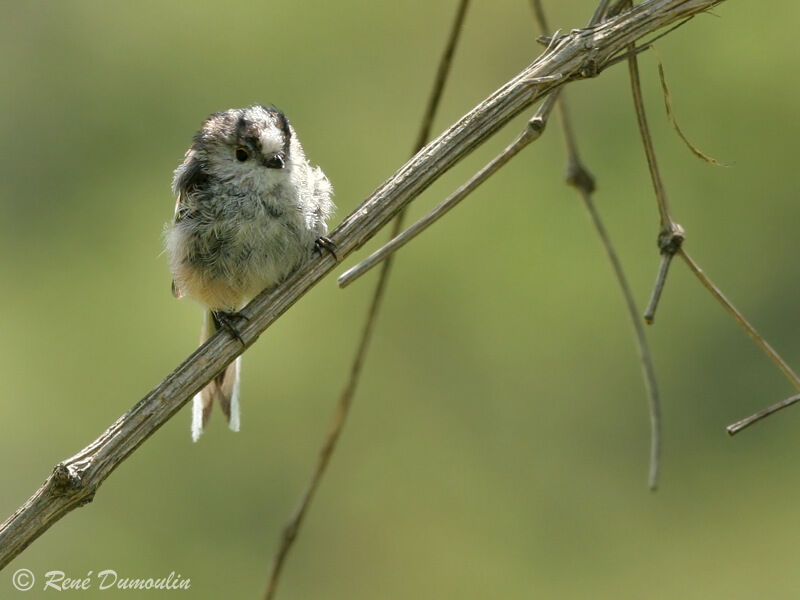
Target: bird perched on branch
[(250, 209)]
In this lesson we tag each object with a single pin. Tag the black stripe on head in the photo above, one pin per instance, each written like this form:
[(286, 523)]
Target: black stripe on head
[(240, 131), (245, 132), (283, 124)]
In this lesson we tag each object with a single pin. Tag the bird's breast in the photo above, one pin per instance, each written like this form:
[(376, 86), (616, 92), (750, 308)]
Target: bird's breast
[(230, 252)]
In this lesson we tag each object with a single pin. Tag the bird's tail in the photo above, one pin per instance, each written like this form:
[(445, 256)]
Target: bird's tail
[(224, 388)]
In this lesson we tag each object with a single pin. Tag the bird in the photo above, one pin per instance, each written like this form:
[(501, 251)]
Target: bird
[(250, 209)]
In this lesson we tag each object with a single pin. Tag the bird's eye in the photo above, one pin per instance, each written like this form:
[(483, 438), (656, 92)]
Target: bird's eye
[(242, 154), (275, 162)]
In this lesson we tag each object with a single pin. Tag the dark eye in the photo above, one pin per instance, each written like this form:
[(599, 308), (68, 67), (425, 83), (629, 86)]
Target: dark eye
[(274, 162), (242, 154)]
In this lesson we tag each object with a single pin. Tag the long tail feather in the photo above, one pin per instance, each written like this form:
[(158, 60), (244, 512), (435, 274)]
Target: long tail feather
[(224, 388)]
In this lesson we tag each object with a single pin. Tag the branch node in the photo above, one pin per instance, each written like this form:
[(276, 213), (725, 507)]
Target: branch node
[(290, 532), (62, 479), (670, 241), (538, 123), (578, 176), (590, 68), (671, 238), (66, 480)]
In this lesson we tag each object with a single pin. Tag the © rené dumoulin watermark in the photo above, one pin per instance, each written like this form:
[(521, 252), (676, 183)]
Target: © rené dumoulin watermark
[(107, 579)]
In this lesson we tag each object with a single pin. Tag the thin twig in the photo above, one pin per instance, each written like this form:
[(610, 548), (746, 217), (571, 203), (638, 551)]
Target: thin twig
[(762, 414), (674, 120), (655, 296), (541, 18), (75, 480), (441, 77), (292, 527), (646, 362), (599, 13), (645, 45), (740, 319), (533, 130), (579, 177)]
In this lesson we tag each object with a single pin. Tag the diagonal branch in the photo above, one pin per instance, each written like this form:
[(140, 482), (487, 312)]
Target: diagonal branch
[(740, 319), (735, 428), (75, 480)]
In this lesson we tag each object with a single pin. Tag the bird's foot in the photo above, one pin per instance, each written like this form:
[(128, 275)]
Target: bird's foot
[(327, 244), (227, 321)]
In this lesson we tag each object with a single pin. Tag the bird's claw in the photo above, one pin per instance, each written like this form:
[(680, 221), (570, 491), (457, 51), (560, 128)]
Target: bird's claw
[(327, 244), (227, 321)]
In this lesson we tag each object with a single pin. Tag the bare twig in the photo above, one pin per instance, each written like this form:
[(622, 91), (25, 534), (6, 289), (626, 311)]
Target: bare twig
[(292, 527), (674, 120), (661, 279), (762, 414), (442, 73), (645, 360), (74, 481), (532, 132), (597, 17), (740, 319), (670, 241), (579, 177)]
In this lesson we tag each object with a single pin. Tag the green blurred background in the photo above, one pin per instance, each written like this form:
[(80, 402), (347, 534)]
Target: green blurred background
[(498, 445)]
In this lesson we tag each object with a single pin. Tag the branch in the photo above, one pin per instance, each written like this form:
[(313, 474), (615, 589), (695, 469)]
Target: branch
[(735, 428), (742, 321), (579, 54)]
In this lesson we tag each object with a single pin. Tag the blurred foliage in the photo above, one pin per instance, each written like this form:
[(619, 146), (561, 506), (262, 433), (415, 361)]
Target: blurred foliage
[(498, 445)]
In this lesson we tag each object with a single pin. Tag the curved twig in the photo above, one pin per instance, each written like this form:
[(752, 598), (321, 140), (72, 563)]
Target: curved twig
[(579, 177)]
